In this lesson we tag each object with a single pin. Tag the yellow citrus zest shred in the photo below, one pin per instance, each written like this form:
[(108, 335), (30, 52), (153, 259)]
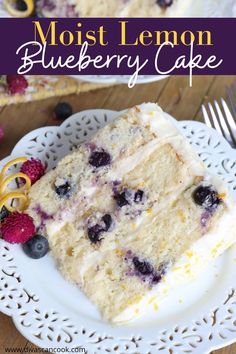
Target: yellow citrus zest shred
[(10, 7), (13, 195), (20, 194), (9, 164), (8, 179)]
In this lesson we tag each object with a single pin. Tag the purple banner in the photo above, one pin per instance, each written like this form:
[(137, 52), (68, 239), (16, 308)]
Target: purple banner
[(118, 46)]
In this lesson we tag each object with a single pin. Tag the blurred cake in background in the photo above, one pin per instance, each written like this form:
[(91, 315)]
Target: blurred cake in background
[(117, 8), (114, 8), (20, 88)]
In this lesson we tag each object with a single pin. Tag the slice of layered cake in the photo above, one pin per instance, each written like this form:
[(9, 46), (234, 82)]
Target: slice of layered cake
[(117, 8), (132, 213)]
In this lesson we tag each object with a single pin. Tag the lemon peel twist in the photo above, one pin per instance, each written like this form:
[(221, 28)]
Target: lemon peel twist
[(10, 6), (20, 194)]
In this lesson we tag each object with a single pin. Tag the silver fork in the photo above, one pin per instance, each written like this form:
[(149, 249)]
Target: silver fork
[(231, 93), (218, 116)]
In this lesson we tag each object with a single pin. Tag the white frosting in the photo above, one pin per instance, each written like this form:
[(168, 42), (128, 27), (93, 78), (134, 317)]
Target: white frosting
[(152, 116)]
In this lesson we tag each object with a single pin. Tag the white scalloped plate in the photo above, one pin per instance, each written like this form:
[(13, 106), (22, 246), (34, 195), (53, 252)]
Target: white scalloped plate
[(50, 312)]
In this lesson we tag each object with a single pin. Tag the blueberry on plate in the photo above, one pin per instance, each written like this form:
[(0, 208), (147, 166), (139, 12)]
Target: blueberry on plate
[(63, 110), (99, 159), (64, 190), (206, 197), (37, 247)]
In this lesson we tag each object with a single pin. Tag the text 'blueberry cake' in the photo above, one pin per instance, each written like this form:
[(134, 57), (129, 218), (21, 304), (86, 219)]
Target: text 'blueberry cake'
[(116, 8), (133, 213)]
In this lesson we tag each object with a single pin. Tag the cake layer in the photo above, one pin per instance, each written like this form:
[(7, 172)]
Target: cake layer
[(124, 210)]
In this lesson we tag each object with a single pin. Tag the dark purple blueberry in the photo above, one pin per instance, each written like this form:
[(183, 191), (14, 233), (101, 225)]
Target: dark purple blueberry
[(64, 190), (164, 3), (4, 213), (21, 5), (162, 268), (157, 275), (107, 219), (121, 199), (94, 233), (37, 247), (63, 110), (156, 278), (206, 197), (138, 196), (142, 267), (99, 159), (115, 186)]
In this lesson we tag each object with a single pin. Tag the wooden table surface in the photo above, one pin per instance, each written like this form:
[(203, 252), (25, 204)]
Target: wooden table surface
[(173, 94)]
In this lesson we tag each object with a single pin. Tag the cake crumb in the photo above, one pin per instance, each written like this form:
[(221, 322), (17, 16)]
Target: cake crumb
[(149, 211), (189, 254), (153, 298), (181, 215), (156, 307), (134, 300), (118, 252)]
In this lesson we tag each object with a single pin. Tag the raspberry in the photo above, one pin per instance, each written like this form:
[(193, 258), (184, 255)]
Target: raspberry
[(16, 84), (34, 169), (17, 228)]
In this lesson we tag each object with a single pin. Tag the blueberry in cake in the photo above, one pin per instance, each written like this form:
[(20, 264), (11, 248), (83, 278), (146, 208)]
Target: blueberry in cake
[(115, 8), (133, 213)]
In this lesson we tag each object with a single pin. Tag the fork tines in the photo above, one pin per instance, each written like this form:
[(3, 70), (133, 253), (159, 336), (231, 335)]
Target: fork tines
[(219, 116)]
